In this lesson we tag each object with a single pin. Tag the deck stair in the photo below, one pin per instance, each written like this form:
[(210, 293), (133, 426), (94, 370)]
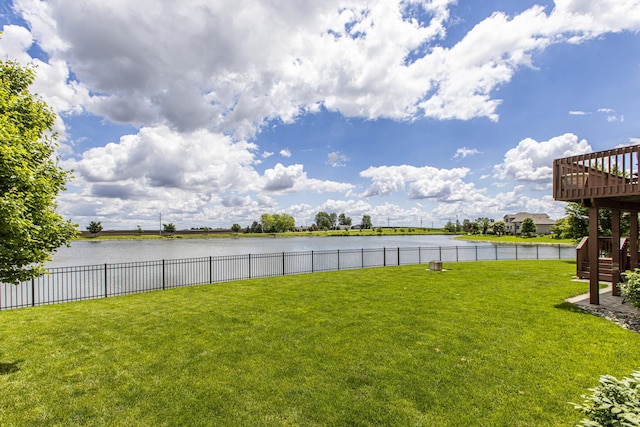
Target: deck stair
[(605, 270), (605, 261)]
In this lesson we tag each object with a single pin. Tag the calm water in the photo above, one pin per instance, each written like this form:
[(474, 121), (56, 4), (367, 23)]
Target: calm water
[(116, 251)]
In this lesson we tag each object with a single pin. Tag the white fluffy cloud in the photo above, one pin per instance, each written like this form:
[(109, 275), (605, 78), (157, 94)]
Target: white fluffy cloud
[(336, 159), (234, 66), (465, 152), (200, 161), (200, 80), (286, 179), (442, 185), (530, 160)]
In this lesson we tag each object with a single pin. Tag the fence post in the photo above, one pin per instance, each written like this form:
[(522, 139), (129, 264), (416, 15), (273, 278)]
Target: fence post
[(559, 252), (384, 255), (398, 255), (249, 266), (338, 259), (362, 258), (537, 248), (419, 255), (516, 252), (163, 276), (476, 252), (457, 257), (210, 269), (33, 292), (439, 253), (496, 247), (312, 270), (283, 255), (106, 293)]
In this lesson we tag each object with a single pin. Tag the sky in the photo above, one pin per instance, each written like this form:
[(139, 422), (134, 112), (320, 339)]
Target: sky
[(414, 112)]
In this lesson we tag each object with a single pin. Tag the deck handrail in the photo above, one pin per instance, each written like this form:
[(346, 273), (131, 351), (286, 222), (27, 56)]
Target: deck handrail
[(605, 250), (607, 173)]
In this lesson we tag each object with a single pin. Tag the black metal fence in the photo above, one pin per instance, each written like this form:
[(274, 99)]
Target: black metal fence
[(100, 281)]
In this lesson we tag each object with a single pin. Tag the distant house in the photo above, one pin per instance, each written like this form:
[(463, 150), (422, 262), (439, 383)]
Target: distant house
[(542, 221)]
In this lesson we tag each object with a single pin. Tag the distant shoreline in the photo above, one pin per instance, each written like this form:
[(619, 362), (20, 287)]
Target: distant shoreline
[(226, 233), (517, 240)]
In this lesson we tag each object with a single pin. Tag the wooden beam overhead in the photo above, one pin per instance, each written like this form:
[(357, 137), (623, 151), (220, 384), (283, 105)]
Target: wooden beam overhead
[(612, 204)]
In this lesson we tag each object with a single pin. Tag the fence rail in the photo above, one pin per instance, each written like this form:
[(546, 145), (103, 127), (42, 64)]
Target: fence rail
[(65, 284)]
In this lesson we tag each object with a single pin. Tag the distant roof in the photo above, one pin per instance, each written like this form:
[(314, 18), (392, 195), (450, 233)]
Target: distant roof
[(538, 218)]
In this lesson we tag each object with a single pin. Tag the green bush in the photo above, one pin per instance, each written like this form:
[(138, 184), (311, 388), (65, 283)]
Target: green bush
[(630, 287), (613, 403)]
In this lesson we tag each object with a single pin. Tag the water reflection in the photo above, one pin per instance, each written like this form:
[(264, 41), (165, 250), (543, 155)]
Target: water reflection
[(116, 251)]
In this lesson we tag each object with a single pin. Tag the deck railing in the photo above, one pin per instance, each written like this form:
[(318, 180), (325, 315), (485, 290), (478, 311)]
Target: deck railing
[(605, 250), (610, 173), (106, 280)]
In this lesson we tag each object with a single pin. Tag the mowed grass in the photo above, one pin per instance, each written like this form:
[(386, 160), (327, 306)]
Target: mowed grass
[(482, 344)]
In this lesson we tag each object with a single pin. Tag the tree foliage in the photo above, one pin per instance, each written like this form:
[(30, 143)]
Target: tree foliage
[(499, 228), (31, 229), (277, 223), (169, 228), (95, 227), (483, 224), (344, 220), (323, 221), (576, 224), (528, 227), (366, 222)]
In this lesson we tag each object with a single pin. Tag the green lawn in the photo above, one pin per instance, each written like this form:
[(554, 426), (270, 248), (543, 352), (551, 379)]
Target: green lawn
[(482, 344), (517, 239)]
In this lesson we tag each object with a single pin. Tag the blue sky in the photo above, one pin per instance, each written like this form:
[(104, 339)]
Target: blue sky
[(213, 113)]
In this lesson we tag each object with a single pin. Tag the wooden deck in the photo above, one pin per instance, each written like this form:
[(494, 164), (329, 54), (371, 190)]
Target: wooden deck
[(607, 179), (603, 180)]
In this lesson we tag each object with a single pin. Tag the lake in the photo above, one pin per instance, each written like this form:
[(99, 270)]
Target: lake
[(87, 252)]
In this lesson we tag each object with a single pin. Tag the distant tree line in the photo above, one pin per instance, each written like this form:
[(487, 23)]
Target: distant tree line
[(280, 223), (482, 225)]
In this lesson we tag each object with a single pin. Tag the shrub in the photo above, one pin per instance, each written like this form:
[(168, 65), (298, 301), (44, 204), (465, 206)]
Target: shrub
[(613, 403), (630, 287)]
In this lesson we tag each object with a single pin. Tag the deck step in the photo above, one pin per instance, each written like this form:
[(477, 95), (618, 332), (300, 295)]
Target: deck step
[(605, 267)]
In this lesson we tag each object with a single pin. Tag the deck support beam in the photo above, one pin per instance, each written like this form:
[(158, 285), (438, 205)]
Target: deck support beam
[(633, 239), (615, 249), (594, 273)]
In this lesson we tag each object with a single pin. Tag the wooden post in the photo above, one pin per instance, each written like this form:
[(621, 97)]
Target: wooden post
[(594, 273), (633, 239), (615, 249)]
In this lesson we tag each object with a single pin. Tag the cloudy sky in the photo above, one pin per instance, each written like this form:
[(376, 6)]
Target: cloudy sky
[(414, 111)]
